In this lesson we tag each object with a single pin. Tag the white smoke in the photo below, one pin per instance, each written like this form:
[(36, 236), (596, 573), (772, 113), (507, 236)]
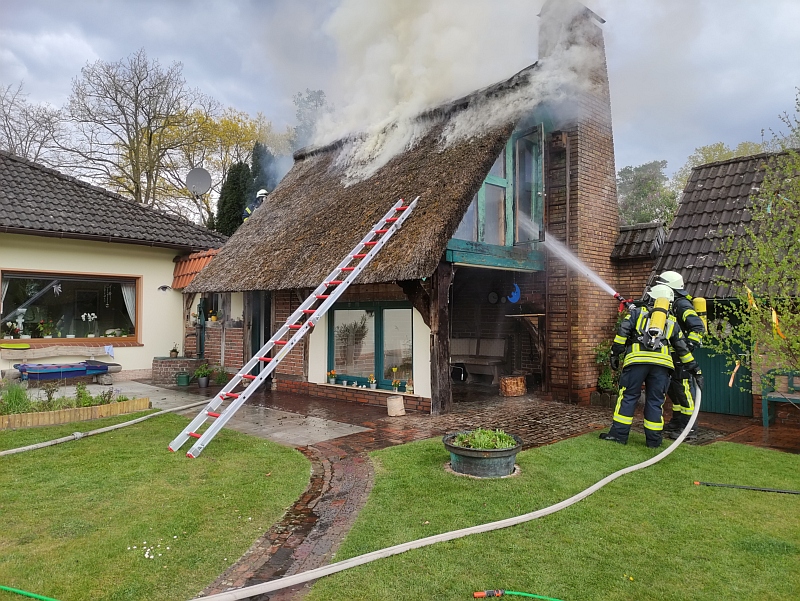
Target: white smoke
[(397, 59)]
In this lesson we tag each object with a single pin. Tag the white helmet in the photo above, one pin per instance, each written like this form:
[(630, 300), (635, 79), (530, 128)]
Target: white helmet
[(661, 291), (672, 279), (261, 193)]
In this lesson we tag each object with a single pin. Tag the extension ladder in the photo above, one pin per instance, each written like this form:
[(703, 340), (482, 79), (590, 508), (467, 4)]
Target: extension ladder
[(299, 323)]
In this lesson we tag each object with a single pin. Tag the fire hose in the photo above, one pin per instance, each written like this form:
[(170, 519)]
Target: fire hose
[(339, 566)]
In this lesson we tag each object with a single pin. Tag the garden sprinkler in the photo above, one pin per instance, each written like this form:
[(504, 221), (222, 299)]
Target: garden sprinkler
[(501, 592)]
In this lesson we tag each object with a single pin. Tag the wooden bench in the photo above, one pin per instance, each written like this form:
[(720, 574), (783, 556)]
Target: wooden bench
[(778, 386), (480, 355)]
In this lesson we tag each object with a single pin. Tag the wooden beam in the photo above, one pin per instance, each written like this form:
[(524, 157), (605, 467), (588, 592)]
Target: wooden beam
[(419, 297), (441, 384)]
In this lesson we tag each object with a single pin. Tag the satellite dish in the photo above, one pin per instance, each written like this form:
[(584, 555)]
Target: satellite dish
[(198, 180)]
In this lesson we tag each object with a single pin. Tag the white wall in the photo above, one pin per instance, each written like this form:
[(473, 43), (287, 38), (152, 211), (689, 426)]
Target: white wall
[(160, 314), (421, 362)]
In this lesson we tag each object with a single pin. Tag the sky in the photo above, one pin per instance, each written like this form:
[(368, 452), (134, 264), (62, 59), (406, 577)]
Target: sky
[(683, 73)]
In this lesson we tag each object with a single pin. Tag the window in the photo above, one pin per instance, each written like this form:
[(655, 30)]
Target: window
[(68, 306), (516, 175), (369, 339)]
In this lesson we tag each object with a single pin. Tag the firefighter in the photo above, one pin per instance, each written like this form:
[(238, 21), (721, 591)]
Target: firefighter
[(681, 388), (260, 196), (647, 336)]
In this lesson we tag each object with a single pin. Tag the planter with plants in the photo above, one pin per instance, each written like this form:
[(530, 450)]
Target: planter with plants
[(203, 373), (10, 330), (332, 376), (173, 352), (482, 453), (372, 382), (20, 408), (45, 328)]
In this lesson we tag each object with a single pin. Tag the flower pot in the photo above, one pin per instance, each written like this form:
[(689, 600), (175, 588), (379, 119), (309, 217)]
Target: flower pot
[(213, 318), (481, 463), (24, 336), (48, 336), (173, 354), (90, 335), (344, 382), (373, 386), (70, 335), (202, 381), (8, 338), (331, 380), (394, 388)]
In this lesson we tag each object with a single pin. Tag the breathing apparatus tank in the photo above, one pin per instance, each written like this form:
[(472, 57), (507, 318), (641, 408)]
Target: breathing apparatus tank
[(700, 308), (653, 335)]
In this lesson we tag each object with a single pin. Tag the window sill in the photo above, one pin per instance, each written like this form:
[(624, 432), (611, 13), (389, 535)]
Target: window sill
[(378, 390), (117, 341)]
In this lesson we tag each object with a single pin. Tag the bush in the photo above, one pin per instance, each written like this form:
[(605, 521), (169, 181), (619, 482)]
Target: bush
[(221, 376), (14, 399)]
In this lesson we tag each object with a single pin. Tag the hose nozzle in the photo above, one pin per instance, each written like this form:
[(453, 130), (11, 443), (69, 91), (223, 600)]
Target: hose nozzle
[(623, 302)]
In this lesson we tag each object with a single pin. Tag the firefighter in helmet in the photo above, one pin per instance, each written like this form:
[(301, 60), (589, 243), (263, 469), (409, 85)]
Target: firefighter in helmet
[(682, 387), (648, 336), (260, 196)]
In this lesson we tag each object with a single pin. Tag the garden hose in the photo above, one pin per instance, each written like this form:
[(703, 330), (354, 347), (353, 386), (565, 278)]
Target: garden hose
[(25, 593), (79, 435), (339, 566), (501, 593)]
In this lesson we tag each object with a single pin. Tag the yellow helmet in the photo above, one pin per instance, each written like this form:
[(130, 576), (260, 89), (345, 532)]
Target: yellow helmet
[(661, 291)]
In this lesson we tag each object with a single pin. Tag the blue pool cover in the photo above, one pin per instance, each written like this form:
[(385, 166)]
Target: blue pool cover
[(60, 371)]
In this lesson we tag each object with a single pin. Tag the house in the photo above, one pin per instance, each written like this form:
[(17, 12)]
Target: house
[(468, 274), (93, 268), (716, 199)]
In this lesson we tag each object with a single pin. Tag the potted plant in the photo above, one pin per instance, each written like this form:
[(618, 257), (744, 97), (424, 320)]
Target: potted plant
[(203, 373), (482, 453), (25, 333), (45, 328), (173, 352), (212, 315), (90, 317), (10, 330), (332, 376), (395, 385), (372, 383)]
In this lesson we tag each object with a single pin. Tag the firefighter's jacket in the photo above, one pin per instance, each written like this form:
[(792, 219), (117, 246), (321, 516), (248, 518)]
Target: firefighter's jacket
[(631, 340), (687, 318)]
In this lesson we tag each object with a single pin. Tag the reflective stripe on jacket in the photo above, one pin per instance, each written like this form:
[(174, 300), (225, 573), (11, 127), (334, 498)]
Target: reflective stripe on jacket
[(628, 341)]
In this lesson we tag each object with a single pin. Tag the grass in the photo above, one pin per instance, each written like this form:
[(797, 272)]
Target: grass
[(78, 517), (649, 535)]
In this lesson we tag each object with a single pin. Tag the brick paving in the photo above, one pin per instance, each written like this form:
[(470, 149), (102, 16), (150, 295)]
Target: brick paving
[(310, 532)]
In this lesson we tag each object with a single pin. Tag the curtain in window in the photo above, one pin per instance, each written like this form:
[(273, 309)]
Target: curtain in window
[(129, 296), (3, 290)]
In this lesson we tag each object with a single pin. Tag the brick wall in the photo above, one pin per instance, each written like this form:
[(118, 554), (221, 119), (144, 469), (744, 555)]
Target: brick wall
[(785, 413), (632, 277), (580, 313), (217, 334), (165, 369)]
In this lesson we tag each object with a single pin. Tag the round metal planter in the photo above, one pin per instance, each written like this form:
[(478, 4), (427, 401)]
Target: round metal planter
[(481, 463)]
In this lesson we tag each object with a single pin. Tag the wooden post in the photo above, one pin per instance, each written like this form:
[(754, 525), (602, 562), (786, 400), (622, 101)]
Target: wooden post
[(441, 389)]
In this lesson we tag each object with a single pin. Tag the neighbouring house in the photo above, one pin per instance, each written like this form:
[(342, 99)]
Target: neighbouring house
[(467, 283), (86, 273), (637, 248), (716, 200)]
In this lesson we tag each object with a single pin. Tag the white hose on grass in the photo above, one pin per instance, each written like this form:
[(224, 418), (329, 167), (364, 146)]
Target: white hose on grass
[(339, 566), (79, 435)]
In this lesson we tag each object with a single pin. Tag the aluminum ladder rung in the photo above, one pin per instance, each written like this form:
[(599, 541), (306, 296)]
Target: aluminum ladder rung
[(388, 225)]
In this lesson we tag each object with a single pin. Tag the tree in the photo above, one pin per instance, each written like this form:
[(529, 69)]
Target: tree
[(310, 107), (719, 151), (233, 198), (26, 130), (262, 170), (764, 260), (644, 195), (125, 120)]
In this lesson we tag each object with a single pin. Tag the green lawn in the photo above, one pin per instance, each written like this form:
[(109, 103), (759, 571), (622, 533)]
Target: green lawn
[(78, 518), (651, 535)]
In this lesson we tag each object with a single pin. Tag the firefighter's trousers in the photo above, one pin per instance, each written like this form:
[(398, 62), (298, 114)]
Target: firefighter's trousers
[(656, 379), (681, 393)]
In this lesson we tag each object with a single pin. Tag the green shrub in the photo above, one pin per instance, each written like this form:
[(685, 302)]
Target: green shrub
[(220, 376), (104, 398), (484, 439), (83, 397)]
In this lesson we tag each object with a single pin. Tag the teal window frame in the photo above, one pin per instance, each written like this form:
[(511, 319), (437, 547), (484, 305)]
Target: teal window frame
[(377, 308), (513, 253)]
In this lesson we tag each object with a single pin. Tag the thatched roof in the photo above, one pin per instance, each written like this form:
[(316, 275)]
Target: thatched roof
[(313, 219)]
